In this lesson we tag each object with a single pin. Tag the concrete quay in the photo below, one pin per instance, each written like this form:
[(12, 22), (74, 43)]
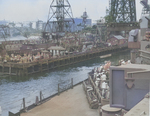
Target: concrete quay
[(70, 103)]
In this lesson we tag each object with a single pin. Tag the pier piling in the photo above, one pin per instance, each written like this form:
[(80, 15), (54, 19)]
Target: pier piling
[(72, 83), (40, 95), (58, 90), (24, 105)]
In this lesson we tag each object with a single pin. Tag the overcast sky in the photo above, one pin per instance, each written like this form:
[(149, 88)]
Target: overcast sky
[(32, 10)]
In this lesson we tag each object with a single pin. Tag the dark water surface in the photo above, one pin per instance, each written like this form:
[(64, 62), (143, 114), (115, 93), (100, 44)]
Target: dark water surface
[(13, 89)]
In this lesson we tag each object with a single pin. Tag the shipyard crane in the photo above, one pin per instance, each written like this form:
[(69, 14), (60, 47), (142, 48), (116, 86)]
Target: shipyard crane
[(123, 10), (101, 29), (60, 19), (4, 31)]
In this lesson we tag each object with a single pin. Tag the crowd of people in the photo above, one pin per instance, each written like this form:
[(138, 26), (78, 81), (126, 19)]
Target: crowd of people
[(101, 77), (26, 58)]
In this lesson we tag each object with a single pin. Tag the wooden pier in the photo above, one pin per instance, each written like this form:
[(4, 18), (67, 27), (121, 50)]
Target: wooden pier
[(23, 69)]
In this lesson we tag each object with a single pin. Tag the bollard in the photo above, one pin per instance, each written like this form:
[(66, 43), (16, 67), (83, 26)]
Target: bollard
[(58, 89), (72, 82), (40, 95), (24, 106)]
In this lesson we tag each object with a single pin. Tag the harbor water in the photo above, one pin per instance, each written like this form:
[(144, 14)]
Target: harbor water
[(14, 89)]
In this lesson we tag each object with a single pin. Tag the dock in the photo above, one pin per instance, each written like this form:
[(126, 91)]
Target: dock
[(70, 103), (25, 69)]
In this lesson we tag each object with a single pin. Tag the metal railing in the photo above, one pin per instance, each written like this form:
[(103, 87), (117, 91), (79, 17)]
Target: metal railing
[(62, 86)]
